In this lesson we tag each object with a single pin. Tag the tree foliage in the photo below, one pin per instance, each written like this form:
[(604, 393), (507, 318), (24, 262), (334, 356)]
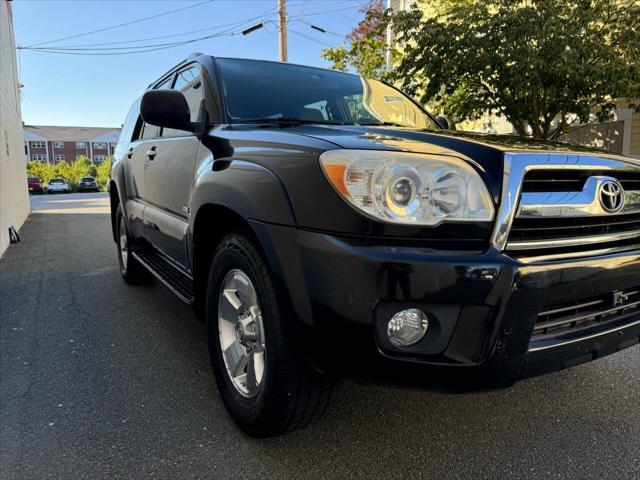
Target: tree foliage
[(102, 172), (366, 50), (71, 172), (542, 64)]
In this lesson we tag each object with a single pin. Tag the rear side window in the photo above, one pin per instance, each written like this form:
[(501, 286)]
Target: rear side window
[(126, 133), (189, 82)]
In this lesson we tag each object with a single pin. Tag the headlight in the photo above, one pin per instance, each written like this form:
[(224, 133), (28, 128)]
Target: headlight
[(400, 187)]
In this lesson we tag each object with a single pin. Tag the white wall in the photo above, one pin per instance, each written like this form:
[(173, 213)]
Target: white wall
[(14, 197)]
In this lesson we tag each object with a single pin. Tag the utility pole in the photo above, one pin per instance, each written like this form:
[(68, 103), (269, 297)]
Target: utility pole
[(282, 29)]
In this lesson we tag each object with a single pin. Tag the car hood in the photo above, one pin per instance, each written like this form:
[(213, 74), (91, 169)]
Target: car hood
[(406, 139), (485, 150)]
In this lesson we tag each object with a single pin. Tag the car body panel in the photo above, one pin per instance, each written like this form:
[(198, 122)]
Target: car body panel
[(342, 272)]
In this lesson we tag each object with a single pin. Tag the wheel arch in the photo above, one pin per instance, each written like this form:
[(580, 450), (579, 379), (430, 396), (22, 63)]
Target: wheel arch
[(277, 244), (114, 201)]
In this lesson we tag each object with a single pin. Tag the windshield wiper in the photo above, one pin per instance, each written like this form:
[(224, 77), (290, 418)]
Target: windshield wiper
[(288, 121), (380, 124)]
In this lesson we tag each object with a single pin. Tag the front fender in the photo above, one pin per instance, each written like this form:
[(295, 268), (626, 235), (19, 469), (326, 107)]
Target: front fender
[(258, 196), (250, 190)]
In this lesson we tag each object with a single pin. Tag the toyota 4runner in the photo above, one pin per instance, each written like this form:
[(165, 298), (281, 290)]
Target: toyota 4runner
[(325, 225)]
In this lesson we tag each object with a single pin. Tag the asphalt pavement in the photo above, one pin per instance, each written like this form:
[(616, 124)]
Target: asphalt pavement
[(101, 380)]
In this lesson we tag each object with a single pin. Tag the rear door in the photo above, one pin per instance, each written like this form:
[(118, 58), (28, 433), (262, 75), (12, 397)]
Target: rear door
[(170, 172)]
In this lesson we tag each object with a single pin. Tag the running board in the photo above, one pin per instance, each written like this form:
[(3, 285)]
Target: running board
[(180, 283)]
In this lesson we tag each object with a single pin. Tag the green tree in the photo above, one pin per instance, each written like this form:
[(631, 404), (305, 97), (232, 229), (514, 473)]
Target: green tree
[(367, 46), (102, 172), (44, 171), (73, 172), (542, 64)]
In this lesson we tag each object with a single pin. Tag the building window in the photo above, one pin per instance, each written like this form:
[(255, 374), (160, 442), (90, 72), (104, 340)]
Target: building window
[(26, 149), (100, 145), (58, 144), (38, 144), (81, 145), (59, 158), (99, 158), (38, 157), (78, 157)]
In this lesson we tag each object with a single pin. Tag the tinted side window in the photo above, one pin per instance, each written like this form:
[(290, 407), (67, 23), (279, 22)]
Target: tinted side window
[(165, 85), (149, 131), (126, 133), (188, 81)]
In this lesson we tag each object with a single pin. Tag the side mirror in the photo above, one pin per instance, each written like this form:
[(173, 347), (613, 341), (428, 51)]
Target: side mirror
[(167, 108), (445, 122)]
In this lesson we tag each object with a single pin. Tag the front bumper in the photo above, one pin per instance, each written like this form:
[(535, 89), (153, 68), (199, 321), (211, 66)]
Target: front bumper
[(485, 306)]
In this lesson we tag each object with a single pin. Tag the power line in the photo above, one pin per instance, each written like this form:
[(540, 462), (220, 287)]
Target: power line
[(308, 37), (96, 50), (121, 24), (136, 47), (140, 48), (315, 27), (265, 15), (323, 12)]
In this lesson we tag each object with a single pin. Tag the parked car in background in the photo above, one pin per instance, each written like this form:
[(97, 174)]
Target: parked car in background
[(325, 225), (58, 185), (34, 185), (87, 184)]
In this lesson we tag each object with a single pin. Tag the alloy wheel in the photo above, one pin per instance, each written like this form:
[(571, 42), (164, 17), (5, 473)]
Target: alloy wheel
[(124, 249), (241, 333)]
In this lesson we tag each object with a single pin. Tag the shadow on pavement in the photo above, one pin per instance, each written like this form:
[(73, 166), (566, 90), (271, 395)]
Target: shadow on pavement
[(99, 379)]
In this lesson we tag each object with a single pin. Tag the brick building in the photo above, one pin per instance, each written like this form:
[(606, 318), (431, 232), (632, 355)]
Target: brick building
[(56, 144)]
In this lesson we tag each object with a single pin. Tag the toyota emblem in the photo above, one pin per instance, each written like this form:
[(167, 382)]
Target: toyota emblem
[(611, 196)]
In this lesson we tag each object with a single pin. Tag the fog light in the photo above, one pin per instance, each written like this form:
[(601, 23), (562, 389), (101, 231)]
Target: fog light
[(407, 327)]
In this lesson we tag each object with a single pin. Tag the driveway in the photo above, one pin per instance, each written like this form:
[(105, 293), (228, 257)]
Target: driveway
[(100, 380)]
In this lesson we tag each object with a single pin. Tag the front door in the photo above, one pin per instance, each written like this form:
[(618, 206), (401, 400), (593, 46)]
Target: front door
[(170, 172), (135, 165), (168, 181)]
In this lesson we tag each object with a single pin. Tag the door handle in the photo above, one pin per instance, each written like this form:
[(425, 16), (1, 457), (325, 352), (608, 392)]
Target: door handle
[(151, 153), (130, 152)]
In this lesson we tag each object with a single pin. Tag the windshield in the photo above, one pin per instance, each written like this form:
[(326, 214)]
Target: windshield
[(87, 179), (56, 180), (256, 90)]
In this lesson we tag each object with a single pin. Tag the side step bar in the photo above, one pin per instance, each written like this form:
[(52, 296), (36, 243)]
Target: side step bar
[(179, 282)]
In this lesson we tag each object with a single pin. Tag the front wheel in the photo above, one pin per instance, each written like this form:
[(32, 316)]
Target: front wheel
[(266, 386)]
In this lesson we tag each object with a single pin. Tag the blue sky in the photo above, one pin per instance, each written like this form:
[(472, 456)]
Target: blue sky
[(98, 90)]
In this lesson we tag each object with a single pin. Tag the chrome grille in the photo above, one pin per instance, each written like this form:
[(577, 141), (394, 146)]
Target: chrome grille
[(555, 228), (587, 313), (556, 205), (551, 219), (573, 180)]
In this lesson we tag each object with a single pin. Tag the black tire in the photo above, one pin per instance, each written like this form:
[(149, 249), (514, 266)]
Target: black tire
[(291, 394), (130, 268)]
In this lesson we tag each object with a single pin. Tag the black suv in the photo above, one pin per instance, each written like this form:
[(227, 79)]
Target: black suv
[(325, 225)]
